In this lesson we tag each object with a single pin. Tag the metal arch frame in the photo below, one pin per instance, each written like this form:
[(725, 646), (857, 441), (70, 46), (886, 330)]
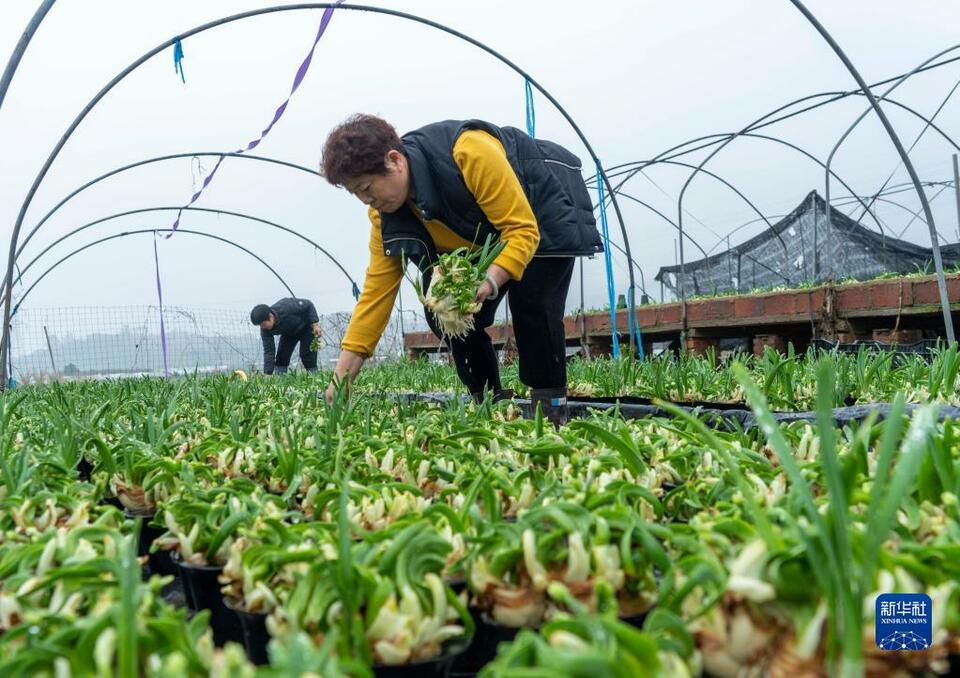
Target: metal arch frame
[(843, 137), (795, 147), (721, 137), (746, 130), (149, 161), (682, 234), (877, 198), (662, 216), (246, 156), (766, 121), (619, 170), (929, 124), (208, 210), (725, 183), (783, 142), (904, 157), (915, 214), (725, 138), (14, 61), (802, 151), (896, 189), (834, 97), (710, 174), (138, 232), (635, 263), (4, 339)]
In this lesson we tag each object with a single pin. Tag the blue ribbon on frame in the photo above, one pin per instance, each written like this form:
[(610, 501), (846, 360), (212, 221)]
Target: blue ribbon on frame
[(608, 260)]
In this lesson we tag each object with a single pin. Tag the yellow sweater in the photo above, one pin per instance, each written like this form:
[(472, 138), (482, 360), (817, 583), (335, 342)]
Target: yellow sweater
[(490, 178)]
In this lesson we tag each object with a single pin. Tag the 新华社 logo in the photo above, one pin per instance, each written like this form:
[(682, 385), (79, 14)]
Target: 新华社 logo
[(904, 621)]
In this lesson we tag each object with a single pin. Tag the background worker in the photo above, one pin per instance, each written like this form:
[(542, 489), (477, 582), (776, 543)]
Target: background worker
[(296, 321), (451, 184)]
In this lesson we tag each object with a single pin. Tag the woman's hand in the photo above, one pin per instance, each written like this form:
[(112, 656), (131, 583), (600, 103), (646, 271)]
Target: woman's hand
[(500, 277), (348, 365)]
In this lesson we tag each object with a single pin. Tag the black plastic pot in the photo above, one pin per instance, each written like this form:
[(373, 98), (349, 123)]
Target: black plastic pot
[(438, 667), (638, 400), (253, 625), (84, 469), (457, 583), (636, 620), (159, 562), (202, 591), (483, 649), (113, 501)]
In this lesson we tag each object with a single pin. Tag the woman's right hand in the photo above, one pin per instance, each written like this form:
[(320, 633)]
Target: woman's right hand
[(348, 365)]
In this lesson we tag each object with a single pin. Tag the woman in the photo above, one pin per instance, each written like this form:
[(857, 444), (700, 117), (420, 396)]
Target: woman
[(451, 184)]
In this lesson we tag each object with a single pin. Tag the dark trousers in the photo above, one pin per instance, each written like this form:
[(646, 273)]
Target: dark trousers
[(286, 345), (537, 304)]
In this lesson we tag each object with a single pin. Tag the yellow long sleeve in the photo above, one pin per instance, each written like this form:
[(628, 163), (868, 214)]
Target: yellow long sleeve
[(490, 178), (380, 285)]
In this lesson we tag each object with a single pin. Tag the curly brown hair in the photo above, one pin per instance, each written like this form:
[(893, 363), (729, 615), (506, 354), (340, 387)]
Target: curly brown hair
[(358, 146)]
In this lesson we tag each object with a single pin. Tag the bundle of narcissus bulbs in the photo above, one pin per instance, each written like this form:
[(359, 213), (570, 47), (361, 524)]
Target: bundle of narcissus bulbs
[(455, 279)]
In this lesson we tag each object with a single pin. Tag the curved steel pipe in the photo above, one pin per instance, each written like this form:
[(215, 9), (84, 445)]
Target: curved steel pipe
[(916, 141), (728, 185), (147, 210), (14, 61), (147, 230), (718, 178), (762, 122), (915, 214), (904, 157), (237, 17), (72, 194), (687, 235), (849, 130), (664, 217), (632, 170), (835, 96), (726, 138)]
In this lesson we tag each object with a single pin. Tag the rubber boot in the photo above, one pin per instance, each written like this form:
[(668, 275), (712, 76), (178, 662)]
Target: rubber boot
[(553, 403), (280, 369)]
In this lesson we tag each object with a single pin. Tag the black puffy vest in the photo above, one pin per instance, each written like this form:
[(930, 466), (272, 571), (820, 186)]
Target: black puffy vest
[(550, 176)]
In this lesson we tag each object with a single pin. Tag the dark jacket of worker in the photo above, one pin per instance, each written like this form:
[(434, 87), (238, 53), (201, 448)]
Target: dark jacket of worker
[(294, 318)]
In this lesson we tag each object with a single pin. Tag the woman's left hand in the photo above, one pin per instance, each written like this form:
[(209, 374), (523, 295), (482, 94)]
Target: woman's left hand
[(499, 275)]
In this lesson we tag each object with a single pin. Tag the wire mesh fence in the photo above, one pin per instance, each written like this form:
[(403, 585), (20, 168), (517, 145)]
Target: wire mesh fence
[(117, 341)]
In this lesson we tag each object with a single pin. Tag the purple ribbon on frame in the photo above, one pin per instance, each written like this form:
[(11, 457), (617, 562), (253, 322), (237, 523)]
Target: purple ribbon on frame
[(163, 331), (281, 109)]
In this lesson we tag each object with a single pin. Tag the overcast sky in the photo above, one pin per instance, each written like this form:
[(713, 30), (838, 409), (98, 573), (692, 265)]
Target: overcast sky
[(638, 77)]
